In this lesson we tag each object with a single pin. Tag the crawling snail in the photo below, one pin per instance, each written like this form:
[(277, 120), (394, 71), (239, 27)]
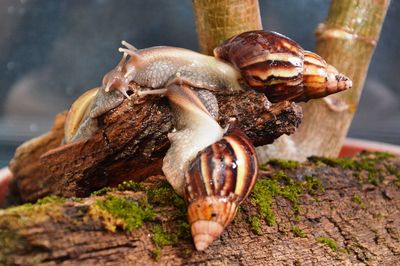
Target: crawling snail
[(277, 66), (267, 62), (213, 168), (217, 181)]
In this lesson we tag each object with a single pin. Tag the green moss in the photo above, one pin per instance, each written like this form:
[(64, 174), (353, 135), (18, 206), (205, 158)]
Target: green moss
[(25, 214), (292, 192), (298, 232), (130, 213), (358, 200), (366, 161), (255, 224), (345, 163), (102, 191), (280, 184), (161, 237), (394, 170), (163, 194), (378, 155), (261, 195), (50, 199), (10, 243), (284, 164), (35, 207), (313, 184), (124, 186), (331, 243), (131, 186), (156, 253)]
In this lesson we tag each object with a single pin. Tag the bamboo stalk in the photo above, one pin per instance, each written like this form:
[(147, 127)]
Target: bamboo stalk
[(217, 20), (347, 40)]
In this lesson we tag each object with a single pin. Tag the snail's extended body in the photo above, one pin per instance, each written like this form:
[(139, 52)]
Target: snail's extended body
[(195, 128), (160, 66), (213, 169)]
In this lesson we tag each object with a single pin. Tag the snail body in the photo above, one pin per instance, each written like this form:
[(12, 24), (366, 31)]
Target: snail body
[(80, 122), (160, 66), (218, 179), (280, 68), (77, 113), (195, 129), (212, 168), (267, 62)]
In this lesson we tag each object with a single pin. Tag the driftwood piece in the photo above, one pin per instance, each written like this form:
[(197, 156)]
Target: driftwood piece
[(324, 215), (131, 144)]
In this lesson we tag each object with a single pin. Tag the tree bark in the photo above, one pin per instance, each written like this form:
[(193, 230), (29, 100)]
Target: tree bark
[(131, 143), (346, 40), (343, 220), (218, 20)]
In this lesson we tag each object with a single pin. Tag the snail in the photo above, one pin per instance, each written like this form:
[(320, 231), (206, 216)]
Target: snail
[(213, 168), (80, 122), (161, 66), (217, 181), (195, 129), (267, 62), (77, 113), (278, 67)]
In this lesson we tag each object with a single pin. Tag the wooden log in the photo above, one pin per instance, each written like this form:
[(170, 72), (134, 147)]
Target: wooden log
[(131, 143), (323, 212)]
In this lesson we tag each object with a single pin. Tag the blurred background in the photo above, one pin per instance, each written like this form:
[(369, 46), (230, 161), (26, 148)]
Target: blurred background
[(53, 51)]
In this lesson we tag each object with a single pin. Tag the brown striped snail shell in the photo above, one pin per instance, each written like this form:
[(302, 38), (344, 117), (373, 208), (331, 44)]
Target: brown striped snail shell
[(219, 178), (277, 66)]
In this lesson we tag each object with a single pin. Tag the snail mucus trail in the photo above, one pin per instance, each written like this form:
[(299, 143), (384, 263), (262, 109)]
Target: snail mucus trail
[(213, 168)]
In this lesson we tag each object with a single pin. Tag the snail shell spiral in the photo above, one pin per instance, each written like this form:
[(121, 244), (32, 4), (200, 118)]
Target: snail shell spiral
[(219, 178), (272, 63)]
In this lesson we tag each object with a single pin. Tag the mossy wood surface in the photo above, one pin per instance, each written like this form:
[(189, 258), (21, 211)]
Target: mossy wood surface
[(131, 143), (322, 212)]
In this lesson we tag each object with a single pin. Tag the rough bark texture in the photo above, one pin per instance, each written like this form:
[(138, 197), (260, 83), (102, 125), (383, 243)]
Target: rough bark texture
[(131, 144), (337, 218), (218, 20), (346, 40)]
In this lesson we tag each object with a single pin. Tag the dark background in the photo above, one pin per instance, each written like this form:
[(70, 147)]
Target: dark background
[(52, 51)]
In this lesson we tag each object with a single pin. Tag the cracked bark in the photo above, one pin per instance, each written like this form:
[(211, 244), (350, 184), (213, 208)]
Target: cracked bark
[(366, 232), (131, 144)]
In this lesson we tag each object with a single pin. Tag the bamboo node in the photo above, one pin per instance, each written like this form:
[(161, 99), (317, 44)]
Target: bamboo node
[(326, 32)]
